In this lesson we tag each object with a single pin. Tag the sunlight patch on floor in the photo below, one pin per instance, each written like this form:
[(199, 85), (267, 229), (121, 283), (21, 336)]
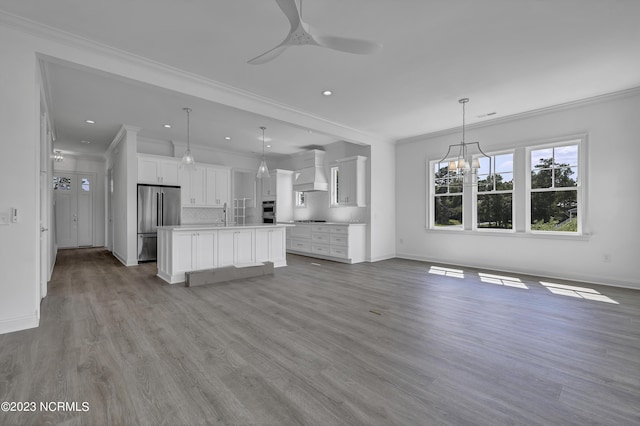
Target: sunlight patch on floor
[(448, 272), (502, 280), (577, 292)]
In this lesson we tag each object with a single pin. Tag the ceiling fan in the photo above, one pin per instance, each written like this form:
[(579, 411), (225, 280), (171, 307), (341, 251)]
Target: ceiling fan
[(302, 33)]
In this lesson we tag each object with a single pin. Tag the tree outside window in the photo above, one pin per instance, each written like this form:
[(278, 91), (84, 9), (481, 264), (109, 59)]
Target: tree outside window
[(447, 198), (494, 196), (554, 189)]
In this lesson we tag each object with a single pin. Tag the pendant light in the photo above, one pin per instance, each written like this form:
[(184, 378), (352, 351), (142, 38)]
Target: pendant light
[(57, 156), (466, 164), (263, 170), (187, 159)]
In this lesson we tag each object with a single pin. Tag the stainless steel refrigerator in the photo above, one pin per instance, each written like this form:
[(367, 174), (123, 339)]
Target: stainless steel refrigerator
[(157, 206)]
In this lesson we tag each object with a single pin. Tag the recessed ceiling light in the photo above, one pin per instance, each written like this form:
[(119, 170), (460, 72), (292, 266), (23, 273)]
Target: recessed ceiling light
[(167, 126), (89, 121), (327, 92), (228, 138), (85, 142), (268, 146)]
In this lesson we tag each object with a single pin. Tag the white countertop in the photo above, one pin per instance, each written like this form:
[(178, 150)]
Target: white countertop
[(221, 227)]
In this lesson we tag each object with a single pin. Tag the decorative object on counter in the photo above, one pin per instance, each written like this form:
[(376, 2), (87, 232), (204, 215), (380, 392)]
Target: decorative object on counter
[(187, 159), (263, 170), (465, 166), (57, 156)]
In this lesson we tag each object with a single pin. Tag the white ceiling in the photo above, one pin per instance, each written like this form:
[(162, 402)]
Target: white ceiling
[(508, 56)]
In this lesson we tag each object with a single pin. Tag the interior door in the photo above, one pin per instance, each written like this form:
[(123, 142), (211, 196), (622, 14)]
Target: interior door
[(73, 194)]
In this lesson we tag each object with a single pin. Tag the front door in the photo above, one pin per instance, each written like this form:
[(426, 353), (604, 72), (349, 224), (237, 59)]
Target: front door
[(74, 211)]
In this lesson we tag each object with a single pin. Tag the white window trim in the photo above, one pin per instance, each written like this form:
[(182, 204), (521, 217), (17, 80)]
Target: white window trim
[(474, 198), (431, 225), (333, 194), (302, 205), (522, 193), (581, 141)]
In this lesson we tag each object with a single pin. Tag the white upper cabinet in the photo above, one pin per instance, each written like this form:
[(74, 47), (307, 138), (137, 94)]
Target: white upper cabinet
[(192, 184), (158, 170), (217, 182), (205, 186), (270, 186), (348, 183)]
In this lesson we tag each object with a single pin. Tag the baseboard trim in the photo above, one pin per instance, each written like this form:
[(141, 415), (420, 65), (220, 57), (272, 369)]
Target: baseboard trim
[(123, 261), (383, 257), (610, 282), (11, 325)]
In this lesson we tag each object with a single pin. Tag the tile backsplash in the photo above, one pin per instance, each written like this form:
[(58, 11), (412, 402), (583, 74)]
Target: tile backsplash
[(201, 215)]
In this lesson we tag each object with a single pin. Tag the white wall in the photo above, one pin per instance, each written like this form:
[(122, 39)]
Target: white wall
[(97, 167), (19, 173), (612, 195), (383, 201), (122, 158)]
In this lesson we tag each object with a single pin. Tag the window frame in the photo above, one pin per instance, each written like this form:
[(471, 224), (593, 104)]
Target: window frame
[(300, 199), (521, 192), (431, 195), (512, 191), (580, 141), (334, 186)]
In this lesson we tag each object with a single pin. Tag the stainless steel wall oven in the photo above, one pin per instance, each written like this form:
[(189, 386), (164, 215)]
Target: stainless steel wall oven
[(268, 212)]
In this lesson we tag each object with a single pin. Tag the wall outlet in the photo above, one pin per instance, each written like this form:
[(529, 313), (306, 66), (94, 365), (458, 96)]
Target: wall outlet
[(4, 218), (606, 258)]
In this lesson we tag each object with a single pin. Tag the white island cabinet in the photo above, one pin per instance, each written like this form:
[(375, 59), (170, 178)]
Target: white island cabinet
[(187, 248)]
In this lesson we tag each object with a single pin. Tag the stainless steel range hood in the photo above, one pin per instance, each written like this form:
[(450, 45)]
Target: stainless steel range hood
[(312, 176)]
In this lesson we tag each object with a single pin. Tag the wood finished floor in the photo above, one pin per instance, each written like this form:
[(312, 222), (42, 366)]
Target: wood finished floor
[(303, 348)]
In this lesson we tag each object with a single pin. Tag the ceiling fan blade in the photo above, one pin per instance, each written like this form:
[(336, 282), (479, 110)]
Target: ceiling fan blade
[(290, 10), (349, 45), (268, 55)]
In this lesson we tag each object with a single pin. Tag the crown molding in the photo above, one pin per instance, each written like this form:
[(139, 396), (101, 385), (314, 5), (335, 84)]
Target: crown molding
[(527, 114), (116, 140), (256, 156), (233, 96)]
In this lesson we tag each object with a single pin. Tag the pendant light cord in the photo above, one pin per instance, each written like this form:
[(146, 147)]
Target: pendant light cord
[(188, 128)]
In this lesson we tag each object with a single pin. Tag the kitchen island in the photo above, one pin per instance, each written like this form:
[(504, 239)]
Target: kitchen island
[(186, 248)]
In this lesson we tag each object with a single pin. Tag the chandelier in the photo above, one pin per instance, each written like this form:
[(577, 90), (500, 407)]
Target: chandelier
[(464, 158), (57, 156)]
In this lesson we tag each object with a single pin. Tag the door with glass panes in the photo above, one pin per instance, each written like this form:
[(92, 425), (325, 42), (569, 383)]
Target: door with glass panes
[(73, 210)]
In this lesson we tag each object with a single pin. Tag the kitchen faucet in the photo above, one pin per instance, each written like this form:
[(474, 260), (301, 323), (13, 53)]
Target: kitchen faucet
[(224, 214)]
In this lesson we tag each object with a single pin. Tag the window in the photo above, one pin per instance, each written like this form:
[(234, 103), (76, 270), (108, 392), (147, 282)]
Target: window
[(300, 199), (334, 186), (494, 196), (86, 185), (447, 198), (537, 189), (553, 188), (61, 183)]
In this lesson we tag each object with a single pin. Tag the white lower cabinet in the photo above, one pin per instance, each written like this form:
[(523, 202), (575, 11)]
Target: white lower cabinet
[(235, 247), (193, 251), (183, 250), (339, 242), (270, 245)]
